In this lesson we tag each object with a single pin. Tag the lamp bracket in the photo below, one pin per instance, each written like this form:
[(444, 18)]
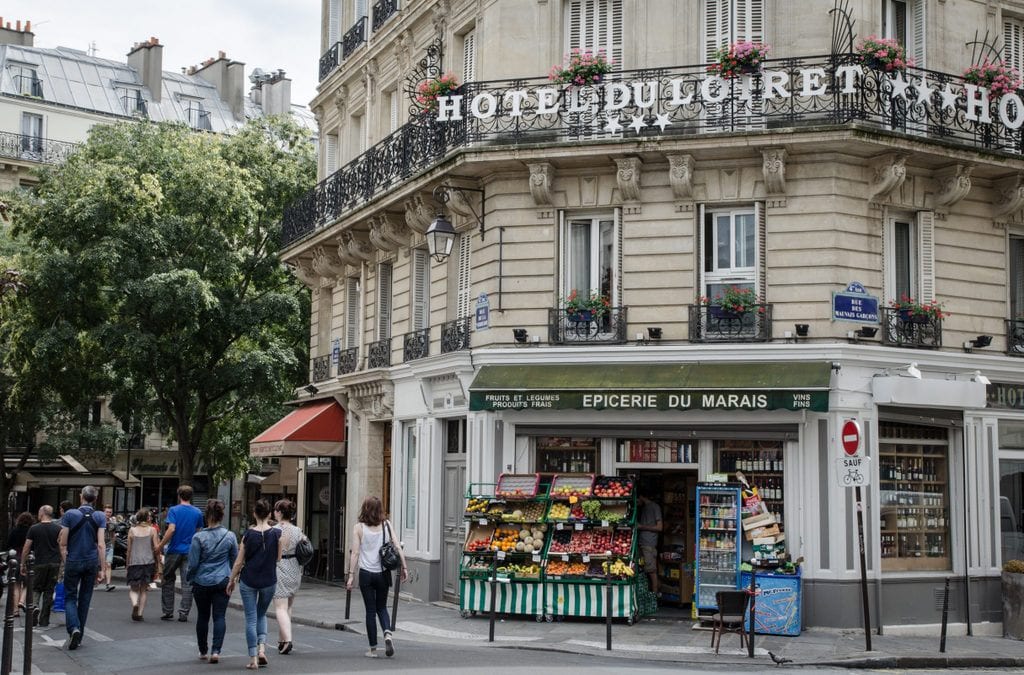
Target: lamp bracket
[(442, 195)]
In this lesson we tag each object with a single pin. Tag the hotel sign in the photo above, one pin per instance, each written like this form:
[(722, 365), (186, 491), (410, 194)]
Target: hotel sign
[(1005, 395), (683, 399)]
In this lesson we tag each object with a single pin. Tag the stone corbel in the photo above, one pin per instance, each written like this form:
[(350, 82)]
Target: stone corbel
[(439, 15), (370, 71), (304, 272), (341, 101), (458, 203), (774, 168), (326, 262), (418, 215), (628, 178), (346, 256), (542, 179), (887, 175), (377, 238), (394, 229), (358, 247), (1009, 195), (680, 176), (954, 183)]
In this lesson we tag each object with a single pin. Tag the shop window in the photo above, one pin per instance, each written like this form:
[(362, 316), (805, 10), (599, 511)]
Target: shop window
[(595, 25), (410, 477), (590, 248), (647, 451), (914, 493), (564, 454), (761, 463), (1011, 490), (904, 20), (909, 256), (727, 21), (731, 247)]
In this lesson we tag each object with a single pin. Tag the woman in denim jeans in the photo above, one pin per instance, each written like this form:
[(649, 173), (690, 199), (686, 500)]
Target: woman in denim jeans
[(256, 566), (369, 535), (209, 568)]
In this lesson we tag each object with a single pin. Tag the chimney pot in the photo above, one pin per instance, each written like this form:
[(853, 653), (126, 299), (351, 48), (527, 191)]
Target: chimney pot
[(28, 26), (18, 25), (221, 54)]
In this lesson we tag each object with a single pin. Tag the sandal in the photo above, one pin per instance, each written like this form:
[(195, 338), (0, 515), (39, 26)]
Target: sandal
[(262, 660), (286, 647)]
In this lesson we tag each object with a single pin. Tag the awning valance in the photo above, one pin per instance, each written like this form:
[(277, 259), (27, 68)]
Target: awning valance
[(314, 430), (686, 386)]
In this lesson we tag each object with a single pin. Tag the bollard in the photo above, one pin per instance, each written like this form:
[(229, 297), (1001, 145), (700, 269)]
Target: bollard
[(348, 603), (608, 614), (394, 606), (30, 613), (753, 596), (494, 602), (8, 639), (945, 616)]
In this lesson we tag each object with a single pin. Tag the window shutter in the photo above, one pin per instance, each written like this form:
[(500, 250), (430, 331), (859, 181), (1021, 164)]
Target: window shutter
[(469, 57), (596, 25), (926, 256), (383, 301), (394, 103), (333, 22), (616, 298), (352, 312), (759, 255), (360, 10), (699, 265), (920, 25), (332, 154), (325, 311), (1016, 276), (420, 288), (463, 293), (716, 27), (749, 23), (1012, 42)]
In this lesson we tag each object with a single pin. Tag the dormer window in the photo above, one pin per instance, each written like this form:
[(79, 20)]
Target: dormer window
[(132, 102), (198, 117), (26, 82)]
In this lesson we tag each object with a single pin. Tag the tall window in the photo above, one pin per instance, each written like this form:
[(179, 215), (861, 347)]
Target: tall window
[(904, 20), (357, 139), (132, 101), (469, 56), (383, 301), (331, 154), (463, 290), (358, 10), (909, 256), (590, 255), (324, 314), (352, 300), (727, 21), (394, 110), (31, 133), (410, 477), (1013, 42), (1016, 276), (333, 22), (26, 82), (1011, 490), (731, 252), (595, 25), (420, 300), (198, 116)]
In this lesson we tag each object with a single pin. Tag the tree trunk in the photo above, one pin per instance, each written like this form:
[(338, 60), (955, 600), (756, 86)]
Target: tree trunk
[(186, 458)]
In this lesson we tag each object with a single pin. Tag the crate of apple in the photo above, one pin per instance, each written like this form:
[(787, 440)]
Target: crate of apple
[(622, 542), (566, 486), (601, 542), (613, 488)]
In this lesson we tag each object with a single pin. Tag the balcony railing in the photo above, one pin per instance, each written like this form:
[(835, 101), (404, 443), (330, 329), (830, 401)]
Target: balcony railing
[(348, 361), (711, 323), (28, 85), (135, 105), (455, 335), (382, 11), (330, 60), (322, 368), (902, 329), (355, 36), (379, 354), (18, 146), (416, 345), (567, 328), (681, 102)]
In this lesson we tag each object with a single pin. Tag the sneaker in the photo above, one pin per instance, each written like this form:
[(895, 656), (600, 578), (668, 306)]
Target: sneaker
[(110, 587), (183, 618), (389, 645), (167, 616), (74, 640), (372, 654)]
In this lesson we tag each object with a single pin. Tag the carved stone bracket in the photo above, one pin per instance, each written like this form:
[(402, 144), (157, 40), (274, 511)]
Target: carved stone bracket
[(304, 272), (341, 101), (326, 262), (1009, 195), (418, 215), (954, 183), (628, 178), (388, 233), (887, 174), (680, 176), (375, 400), (358, 246), (458, 203), (542, 179), (774, 168)]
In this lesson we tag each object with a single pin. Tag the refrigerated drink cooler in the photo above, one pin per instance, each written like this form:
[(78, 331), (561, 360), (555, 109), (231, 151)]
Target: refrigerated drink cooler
[(719, 537)]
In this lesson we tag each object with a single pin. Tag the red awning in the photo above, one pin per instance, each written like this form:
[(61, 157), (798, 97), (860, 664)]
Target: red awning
[(314, 430)]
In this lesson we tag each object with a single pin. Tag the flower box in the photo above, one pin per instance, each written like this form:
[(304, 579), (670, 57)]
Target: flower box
[(884, 54)]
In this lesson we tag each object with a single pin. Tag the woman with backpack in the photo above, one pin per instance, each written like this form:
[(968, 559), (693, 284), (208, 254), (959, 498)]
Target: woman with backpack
[(289, 573), (370, 534), (256, 569), (210, 555)]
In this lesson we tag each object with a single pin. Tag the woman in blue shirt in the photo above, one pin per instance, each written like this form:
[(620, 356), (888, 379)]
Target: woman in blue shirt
[(256, 567), (209, 570)]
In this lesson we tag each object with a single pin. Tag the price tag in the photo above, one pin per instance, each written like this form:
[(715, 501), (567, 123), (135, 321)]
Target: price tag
[(559, 526), (565, 557), (579, 526), (536, 557), (586, 557), (604, 523), (501, 555), (483, 521)]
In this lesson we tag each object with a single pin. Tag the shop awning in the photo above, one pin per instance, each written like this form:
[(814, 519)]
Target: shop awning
[(126, 478), (23, 481), (314, 430), (687, 386)]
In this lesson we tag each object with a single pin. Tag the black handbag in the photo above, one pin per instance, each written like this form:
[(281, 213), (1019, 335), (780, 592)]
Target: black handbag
[(389, 559)]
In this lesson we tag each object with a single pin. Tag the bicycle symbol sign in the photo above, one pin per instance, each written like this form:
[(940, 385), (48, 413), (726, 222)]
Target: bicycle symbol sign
[(853, 471)]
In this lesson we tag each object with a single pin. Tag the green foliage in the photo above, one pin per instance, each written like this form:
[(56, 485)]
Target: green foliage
[(155, 278)]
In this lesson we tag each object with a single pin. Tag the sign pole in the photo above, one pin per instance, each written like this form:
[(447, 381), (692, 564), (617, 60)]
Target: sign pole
[(863, 568)]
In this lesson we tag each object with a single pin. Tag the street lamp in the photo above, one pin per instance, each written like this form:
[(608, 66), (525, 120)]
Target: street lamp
[(441, 235)]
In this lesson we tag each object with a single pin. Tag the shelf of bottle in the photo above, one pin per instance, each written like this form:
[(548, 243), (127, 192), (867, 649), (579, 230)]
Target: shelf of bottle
[(718, 529), (730, 549), (733, 586), (916, 530), (918, 507), (589, 448), (914, 441)]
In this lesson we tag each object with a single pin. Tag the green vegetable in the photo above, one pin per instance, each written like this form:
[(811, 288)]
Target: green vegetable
[(591, 509)]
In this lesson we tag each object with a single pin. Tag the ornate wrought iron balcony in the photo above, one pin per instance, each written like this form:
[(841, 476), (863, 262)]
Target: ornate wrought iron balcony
[(353, 37), (330, 60), (322, 368), (455, 335), (348, 361), (903, 329), (567, 328), (35, 149), (416, 345), (379, 354), (382, 11), (1015, 337), (711, 323)]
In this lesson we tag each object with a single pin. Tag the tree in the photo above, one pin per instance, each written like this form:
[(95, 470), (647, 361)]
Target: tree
[(156, 279)]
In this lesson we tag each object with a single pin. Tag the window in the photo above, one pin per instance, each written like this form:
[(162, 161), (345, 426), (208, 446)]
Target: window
[(333, 22), (909, 256), (469, 57), (25, 81), (463, 290), (331, 154), (1011, 490), (591, 255), (198, 117), (31, 133), (324, 315), (727, 21), (455, 437), (356, 142), (420, 300), (914, 497), (410, 477), (358, 10), (1013, 42), (593, 25), (761, 462), (394, 110), (383, 301), (731, 244), (132, 101), (904, 20), (352, 293), (561, 454)]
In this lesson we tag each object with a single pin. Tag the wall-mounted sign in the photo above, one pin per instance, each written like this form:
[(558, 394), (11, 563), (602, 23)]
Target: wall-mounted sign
[(483, 312), (1005, 395), (683, 399), (855, 304), (335, 350)]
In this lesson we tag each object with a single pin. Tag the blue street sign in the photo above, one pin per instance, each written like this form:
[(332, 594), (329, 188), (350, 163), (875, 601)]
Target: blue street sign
[(335, 350), (483, 312), (855, 304)]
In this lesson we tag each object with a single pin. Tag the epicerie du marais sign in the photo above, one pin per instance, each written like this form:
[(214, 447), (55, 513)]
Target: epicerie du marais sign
[(778, 85), (688, 399)]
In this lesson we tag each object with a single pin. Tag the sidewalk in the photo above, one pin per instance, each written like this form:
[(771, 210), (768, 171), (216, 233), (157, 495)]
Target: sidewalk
[(323, 605)]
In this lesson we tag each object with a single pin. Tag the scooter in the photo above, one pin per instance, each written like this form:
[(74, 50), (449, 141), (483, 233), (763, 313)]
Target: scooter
[(120, 534)]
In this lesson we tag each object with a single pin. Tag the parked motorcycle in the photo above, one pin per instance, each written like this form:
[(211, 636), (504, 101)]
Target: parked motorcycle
[(120, 535)]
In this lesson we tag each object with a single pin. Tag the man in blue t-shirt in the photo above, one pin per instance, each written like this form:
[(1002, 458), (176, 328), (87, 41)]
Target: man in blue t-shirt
[(183, 521), (81, 541)]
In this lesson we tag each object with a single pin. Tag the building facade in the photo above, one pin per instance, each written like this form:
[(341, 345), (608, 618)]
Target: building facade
[(824, 188)]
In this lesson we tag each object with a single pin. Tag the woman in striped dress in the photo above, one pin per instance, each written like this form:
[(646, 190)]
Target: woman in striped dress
[(289, 573)]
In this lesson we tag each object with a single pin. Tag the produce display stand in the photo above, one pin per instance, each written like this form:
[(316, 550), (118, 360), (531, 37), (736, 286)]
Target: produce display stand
[(587, 541)]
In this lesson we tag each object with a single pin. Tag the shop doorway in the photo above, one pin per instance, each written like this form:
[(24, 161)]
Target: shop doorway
[(453, 503)]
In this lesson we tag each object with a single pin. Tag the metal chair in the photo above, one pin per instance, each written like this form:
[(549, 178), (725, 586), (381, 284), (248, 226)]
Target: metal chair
[(732, 607)]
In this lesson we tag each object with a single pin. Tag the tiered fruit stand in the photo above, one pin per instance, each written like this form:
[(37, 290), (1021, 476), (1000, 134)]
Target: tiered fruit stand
[(550, 549)]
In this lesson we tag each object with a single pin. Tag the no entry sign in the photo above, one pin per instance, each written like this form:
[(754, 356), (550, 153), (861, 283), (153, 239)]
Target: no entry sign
[(849, 438)]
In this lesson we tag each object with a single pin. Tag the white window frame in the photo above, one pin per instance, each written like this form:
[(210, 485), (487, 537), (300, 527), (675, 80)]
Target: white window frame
[(1015, 274), (596, 25), (915, 26), (333, 22), (594, 253), (385, 276), (410, 475), (463, 274), (738, 275), (360, 8), (394, 110), (331, 146), (921, 255)]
